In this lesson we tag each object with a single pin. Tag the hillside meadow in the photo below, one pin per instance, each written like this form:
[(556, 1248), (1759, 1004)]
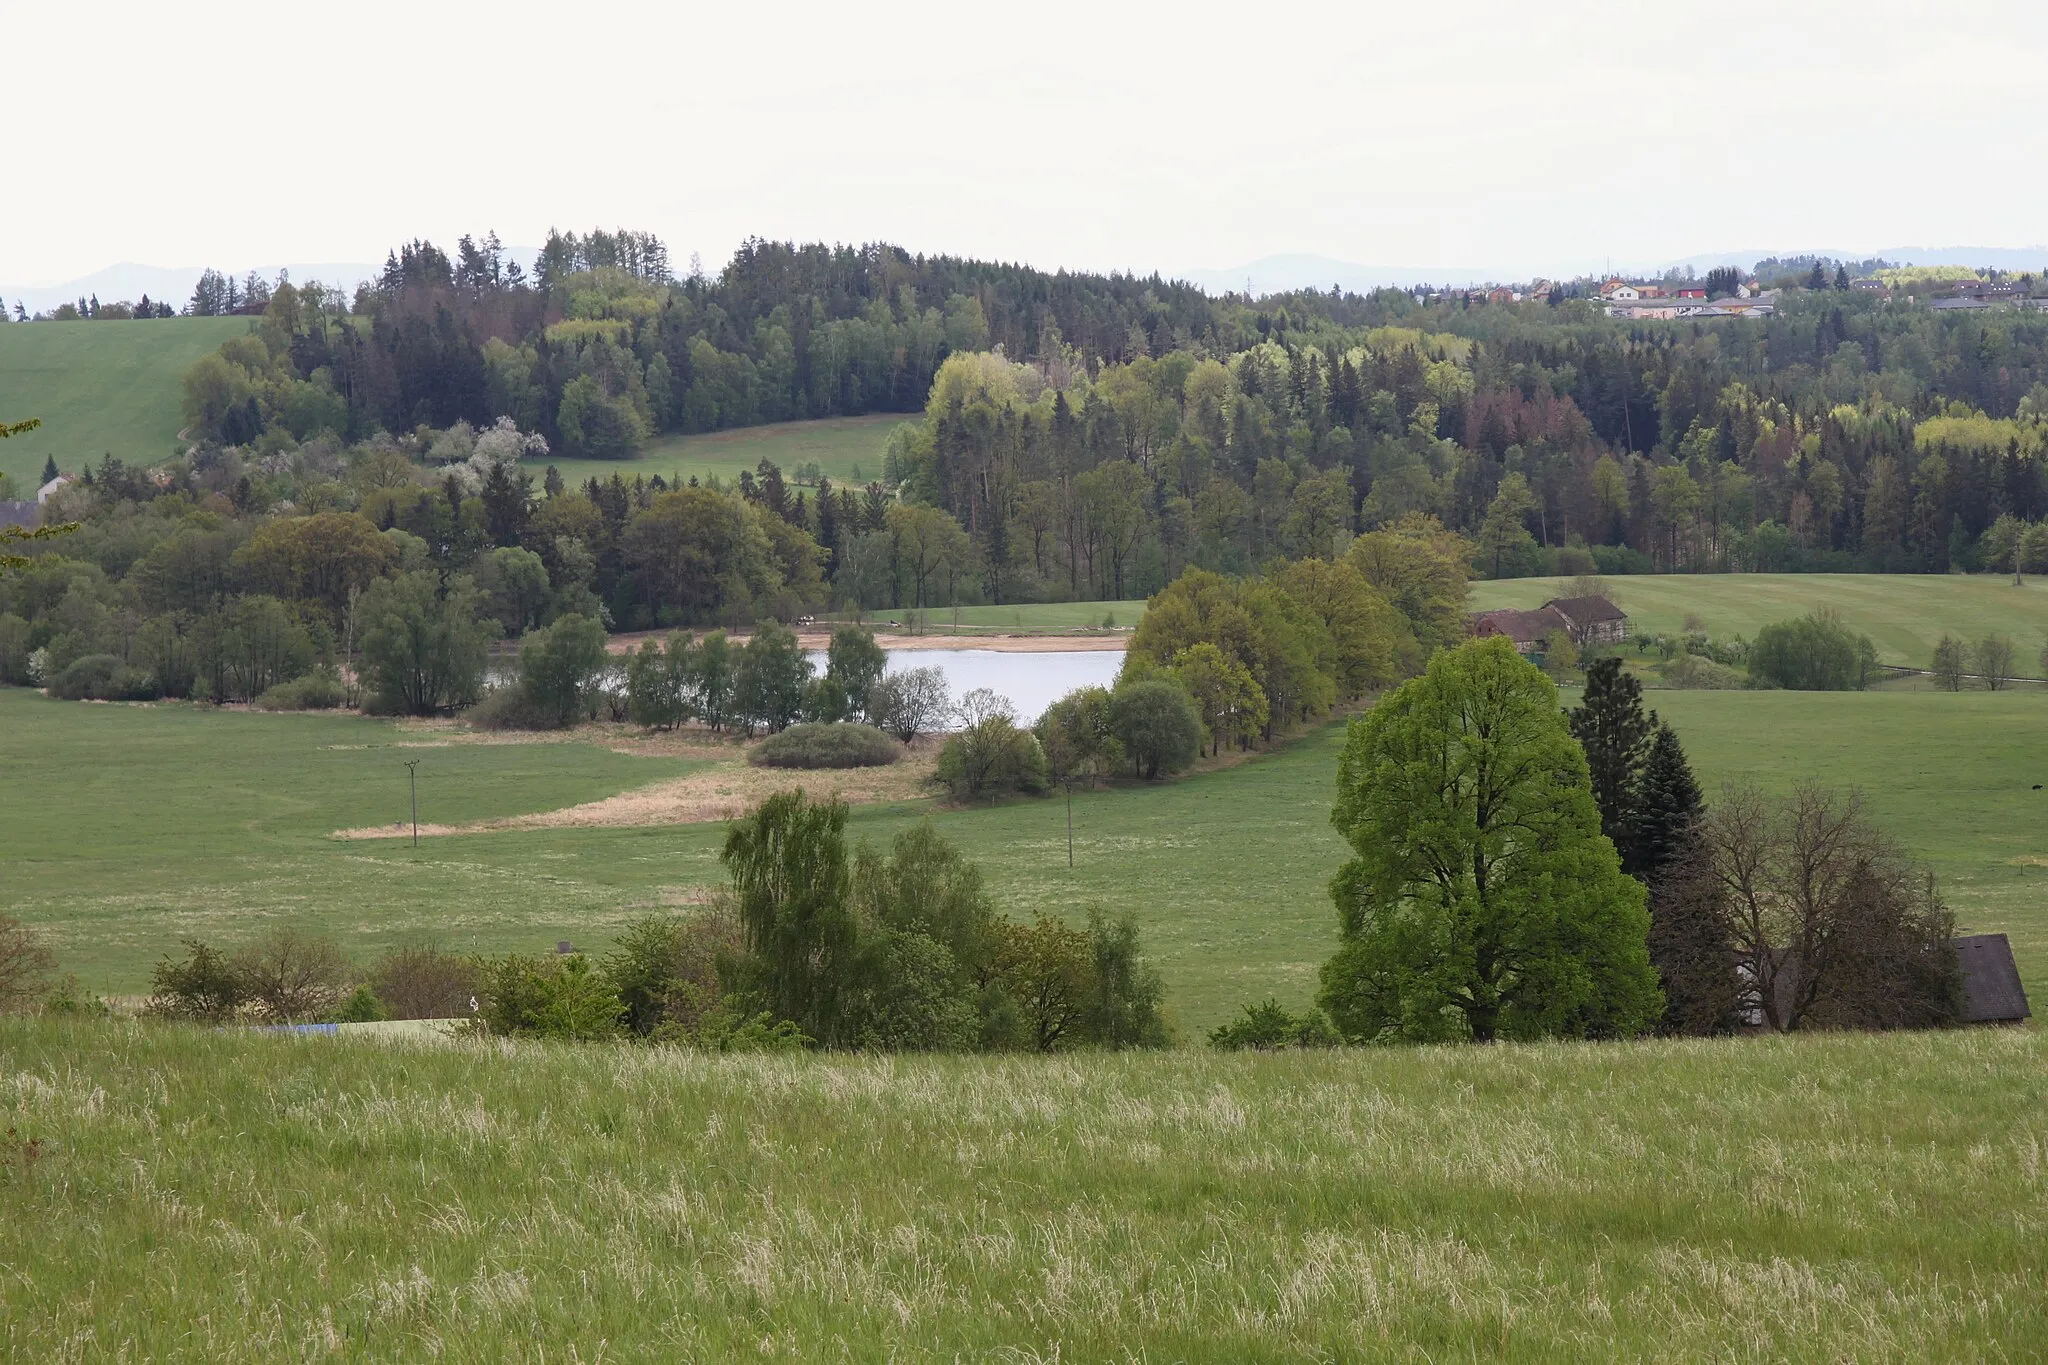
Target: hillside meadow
[(839, 446), (215, 823), (1904, 615), (100, 388), (199, 1195)]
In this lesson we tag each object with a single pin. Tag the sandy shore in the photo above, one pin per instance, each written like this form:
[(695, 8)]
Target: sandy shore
[(1007, 644)]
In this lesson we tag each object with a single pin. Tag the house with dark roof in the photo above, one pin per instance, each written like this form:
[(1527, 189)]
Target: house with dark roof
[(1590, 620), (1527, 630)]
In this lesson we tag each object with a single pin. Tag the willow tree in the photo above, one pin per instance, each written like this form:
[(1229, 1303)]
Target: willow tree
[(1482, 900)]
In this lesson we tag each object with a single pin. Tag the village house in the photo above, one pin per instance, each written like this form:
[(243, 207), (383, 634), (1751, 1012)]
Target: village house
[(1582, 620)]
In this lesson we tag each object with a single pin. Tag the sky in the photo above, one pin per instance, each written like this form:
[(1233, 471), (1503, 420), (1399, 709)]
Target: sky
[(1500, 135)]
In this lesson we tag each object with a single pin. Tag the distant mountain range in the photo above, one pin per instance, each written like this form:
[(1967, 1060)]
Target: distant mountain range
[(170, 284), (1283, 274)]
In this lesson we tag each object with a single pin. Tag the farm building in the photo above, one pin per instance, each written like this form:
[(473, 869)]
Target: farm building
[(1584, 620), (1590, 620)]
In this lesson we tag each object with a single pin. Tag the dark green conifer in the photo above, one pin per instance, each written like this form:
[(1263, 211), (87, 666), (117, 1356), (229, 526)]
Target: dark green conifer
[(1612, 727)]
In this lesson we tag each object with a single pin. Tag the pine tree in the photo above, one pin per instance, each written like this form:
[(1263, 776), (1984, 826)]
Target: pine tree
[(1611, 726), (1690, 943), (49, 468)]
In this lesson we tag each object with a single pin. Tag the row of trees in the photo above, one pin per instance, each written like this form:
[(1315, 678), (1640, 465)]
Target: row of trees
[(1521, 873)]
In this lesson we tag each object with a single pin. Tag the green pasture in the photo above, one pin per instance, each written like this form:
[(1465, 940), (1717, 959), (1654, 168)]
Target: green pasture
[(1904, 614), (100, 387), (147, 824), (201, 1195), (837, 444)]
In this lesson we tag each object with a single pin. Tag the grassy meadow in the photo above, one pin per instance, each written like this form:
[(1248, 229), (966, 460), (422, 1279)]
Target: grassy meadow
[(839, 445), (1903, 614), (200, 1195), (153, 823), (100, 388), (1035, 617)]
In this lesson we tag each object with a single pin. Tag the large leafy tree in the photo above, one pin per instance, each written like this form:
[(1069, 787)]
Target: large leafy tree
[(1482, 900)]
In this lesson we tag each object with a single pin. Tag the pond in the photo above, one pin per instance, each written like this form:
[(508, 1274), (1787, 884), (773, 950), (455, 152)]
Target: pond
[(1032, 681)]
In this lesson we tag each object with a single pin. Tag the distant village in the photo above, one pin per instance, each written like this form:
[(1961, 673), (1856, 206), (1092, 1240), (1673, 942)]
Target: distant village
[(1733, 294)]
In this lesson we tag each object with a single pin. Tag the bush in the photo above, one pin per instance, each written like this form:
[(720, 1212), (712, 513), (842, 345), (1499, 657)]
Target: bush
[(911, 703), (102, 677), (25, 965), (1124, 1010), (362, 1008), (320, 690), (508, 708), (204, 986), (845, 745), (1693, 672), (552, 996), (992, 758), (665, 971), (1266, 1027), (293, 977), (425, 982), (1815, 653), (1155, 721)]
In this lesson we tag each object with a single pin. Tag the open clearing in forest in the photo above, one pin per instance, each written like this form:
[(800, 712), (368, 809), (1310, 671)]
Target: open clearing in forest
[(1904, 614), (838, 445), (100, 387), (148, 824), (228, 1195)]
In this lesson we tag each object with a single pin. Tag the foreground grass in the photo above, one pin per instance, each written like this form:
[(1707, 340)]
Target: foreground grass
[(100, 387), (1905, 615), (223, 1196), (839, 445), (149, 824)]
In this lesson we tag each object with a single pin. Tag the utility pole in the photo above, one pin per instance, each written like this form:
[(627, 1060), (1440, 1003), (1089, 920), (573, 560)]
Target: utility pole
[(412, 771), (1069, 785)]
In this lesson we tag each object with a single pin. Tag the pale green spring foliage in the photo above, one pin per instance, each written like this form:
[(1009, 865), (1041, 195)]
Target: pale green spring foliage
[(216, 1196)]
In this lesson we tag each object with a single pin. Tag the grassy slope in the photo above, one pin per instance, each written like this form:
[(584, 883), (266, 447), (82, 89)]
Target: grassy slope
[(1904, 614), (100, 387), (213, 1196), (210, 820), (838, 444), (1029, 616)]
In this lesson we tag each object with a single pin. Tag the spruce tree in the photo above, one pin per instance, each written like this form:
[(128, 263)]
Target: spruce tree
[(1612, 727), (49, 468), (1690, 943)]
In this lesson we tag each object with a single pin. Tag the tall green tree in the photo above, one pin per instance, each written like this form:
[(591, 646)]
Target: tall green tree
[(1691, 939), (1610, 724), (1482, 901), (423, 647)]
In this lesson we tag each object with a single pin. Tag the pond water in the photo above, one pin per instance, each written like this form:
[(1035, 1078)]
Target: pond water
[(1032, 681)]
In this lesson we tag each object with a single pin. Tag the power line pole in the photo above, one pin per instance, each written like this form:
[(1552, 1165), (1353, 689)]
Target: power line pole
[(1069, 785), (412, 772)]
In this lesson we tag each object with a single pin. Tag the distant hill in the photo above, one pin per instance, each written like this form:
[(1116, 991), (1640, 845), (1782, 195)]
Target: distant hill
[(100, 387)]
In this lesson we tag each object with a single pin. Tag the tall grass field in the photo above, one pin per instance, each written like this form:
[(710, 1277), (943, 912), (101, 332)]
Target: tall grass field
[(100, 387), (839, 446), (150, 824), (169, 1193), (1904, 615)]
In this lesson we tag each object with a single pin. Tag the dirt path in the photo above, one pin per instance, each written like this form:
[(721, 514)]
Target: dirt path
[(722, 792)]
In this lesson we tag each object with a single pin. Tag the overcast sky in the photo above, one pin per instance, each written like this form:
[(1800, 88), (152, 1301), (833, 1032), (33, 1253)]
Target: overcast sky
[(1501, 134)]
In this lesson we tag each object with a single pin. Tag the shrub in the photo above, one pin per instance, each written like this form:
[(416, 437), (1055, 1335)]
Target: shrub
[(362, 1008), (992, 757), (1155, 721), (508, 708), (320, 690), (25, 965), (845, 745), (204, 986), (293, 977), (552, 996), (1266, 1027), (1693, 672), (1815, 653), (14, 650), (665, 971), (1124, 1010), (102, 677), (425, 982)]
